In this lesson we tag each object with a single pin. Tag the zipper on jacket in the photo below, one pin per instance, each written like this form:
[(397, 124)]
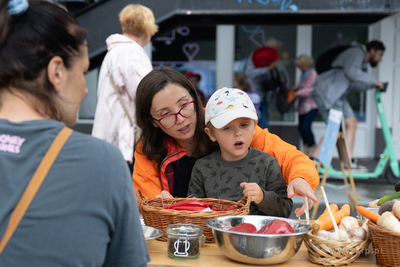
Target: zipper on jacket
[(162, 162)]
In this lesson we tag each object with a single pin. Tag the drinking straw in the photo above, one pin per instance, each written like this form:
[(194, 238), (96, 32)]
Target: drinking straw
[(307, 214)]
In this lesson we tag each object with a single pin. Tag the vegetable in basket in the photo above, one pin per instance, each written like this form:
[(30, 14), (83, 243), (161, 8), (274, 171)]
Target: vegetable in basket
[(192, 203), (368, 214), (324, 221)]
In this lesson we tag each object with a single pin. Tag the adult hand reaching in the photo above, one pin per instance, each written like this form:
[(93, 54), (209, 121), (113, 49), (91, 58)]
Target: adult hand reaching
[(299, 186), (379, 85), (164, 194)]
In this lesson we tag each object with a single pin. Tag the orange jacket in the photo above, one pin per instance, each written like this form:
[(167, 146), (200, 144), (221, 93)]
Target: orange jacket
[(151, 181)]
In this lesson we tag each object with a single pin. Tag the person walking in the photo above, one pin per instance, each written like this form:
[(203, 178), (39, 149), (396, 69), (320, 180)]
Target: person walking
[(306, 107), (347, 74), (260, 70), (124, 65)]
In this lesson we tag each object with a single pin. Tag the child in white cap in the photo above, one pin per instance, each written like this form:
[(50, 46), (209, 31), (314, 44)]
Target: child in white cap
[(237, 170)]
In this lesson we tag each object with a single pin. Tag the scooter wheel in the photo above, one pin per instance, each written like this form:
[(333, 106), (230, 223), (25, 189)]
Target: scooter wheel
[(391, 178)]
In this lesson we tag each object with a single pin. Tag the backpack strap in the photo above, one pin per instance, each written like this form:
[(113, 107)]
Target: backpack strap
[(34, 185), (119, 95)]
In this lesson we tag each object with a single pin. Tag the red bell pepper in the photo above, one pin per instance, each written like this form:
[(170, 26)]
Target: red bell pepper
[(277, 227), (193, 203), (189, 208), (244, 228)]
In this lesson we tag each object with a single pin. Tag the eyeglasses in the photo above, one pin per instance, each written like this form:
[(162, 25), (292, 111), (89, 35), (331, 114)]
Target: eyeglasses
[(186, 111)]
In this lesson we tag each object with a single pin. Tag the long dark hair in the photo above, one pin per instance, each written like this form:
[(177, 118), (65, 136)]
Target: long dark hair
[(153, 138), (28, 41)]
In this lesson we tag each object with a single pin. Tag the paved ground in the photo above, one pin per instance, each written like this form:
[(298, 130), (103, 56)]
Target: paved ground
[(367, 190)]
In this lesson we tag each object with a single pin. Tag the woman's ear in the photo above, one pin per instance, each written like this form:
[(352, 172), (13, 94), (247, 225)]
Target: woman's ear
[(55, 72), (154, 122), (210, 134)]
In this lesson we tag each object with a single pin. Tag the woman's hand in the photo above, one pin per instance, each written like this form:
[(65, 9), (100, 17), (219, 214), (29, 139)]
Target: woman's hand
[(164, 194), (254, 191), (299, 186)]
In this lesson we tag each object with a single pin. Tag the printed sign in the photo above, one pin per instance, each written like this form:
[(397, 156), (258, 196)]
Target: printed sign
[(330, 137)]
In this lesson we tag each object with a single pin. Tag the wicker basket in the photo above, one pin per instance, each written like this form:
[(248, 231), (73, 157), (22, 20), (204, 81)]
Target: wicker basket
[(385, 244), (154, 215), (334, 253)]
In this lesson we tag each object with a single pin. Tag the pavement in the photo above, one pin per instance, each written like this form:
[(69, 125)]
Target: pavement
[(335, 189)]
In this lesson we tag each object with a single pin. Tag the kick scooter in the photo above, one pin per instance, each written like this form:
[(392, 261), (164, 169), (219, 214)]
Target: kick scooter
[(388, 164)]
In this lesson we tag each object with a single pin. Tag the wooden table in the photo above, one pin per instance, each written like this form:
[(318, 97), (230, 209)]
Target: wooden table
[(210, 255)]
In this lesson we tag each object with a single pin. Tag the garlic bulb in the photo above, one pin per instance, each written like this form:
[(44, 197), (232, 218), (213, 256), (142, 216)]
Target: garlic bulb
[(365, 227), (358, 234), (343, 236), (323, 234), (334, 236), (348, 223)]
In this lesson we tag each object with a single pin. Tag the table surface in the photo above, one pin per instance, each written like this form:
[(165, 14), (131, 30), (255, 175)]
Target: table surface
[(210, 255)]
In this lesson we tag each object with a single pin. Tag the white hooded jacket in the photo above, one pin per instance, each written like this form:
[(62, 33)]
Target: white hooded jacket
[(128, 63)]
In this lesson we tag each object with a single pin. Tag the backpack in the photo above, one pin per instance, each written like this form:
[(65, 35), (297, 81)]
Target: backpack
[(324, 61), (273, 83)]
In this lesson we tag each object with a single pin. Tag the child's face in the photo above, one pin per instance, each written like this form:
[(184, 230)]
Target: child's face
[(234, 138)]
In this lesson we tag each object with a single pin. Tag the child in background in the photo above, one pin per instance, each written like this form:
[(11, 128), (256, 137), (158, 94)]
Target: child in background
[(240, 82), (238, 170)]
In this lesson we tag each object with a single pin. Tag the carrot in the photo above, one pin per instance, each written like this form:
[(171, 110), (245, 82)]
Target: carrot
[(368, 214), (325, 222), (334, 209)]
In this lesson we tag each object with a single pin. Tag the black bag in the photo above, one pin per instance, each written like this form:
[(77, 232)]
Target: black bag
[(281, 99), (273, 83), (324, 61)]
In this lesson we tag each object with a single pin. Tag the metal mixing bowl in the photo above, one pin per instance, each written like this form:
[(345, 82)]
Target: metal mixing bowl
[(151, 233), (257, 248)]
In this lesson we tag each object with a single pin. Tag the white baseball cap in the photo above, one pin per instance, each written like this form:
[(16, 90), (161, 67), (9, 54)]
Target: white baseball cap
[(228, 104)]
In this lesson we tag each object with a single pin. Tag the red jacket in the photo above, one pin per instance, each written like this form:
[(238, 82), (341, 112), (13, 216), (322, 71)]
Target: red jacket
[(151, 180)]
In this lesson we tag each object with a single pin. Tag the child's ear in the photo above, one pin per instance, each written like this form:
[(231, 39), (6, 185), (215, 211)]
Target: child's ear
[(210, 134)]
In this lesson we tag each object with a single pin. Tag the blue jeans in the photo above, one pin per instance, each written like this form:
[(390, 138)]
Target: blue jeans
[(263, 121), (305, 127)]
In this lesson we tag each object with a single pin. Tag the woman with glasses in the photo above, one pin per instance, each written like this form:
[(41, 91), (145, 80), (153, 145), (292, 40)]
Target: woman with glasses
[(171, 116)]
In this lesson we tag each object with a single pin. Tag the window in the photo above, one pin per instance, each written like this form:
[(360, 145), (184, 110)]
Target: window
[(250, 37), (189, 48)]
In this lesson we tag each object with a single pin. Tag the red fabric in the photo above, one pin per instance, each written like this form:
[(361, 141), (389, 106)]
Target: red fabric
[(264, 56), (191, 74)]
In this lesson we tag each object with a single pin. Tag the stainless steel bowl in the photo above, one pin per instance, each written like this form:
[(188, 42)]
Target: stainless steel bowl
[(257, 248), (151, 233)]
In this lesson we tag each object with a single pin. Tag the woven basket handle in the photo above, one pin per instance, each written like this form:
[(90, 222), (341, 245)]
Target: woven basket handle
[(243, 199), (139, 198)]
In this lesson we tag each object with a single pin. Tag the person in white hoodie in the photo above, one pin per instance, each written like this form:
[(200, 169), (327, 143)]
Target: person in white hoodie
[(123, 67)]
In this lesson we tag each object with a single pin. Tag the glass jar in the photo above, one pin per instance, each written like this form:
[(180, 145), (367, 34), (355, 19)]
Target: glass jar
[(184, 241)]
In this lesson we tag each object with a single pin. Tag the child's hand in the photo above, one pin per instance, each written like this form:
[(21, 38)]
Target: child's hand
[(254, 191)]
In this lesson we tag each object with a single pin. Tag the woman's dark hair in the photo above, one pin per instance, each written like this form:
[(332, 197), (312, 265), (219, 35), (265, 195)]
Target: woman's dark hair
[(28, 41), (153, 138)]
